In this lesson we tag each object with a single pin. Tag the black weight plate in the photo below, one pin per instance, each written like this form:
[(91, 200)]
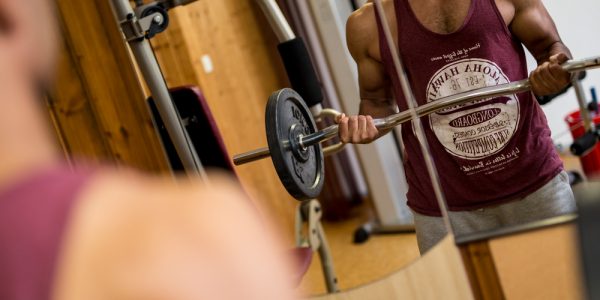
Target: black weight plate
[(301, 173)]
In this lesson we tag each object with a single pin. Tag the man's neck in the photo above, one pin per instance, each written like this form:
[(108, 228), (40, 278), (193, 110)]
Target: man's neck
[(26, 144), (441, 16)]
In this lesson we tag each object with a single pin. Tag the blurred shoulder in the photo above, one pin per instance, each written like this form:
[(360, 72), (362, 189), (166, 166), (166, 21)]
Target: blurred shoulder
[(130, 188), (133, 235)]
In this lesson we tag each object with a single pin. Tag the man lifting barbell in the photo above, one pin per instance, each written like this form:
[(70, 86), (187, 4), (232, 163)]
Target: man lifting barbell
[(294, 142), (495, 157), (487, 131)]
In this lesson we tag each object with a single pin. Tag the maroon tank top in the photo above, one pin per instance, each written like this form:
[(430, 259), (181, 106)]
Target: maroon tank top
[(33, 216), (487, 152)]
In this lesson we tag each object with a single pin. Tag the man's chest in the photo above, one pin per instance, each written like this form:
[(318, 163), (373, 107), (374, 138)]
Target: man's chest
[(441, 16), (447, 16)]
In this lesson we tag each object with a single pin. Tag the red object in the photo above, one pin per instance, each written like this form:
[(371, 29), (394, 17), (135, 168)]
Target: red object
[(303, 257), (591, 161)]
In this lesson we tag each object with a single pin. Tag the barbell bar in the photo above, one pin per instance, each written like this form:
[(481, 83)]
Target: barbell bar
[(571, 66)]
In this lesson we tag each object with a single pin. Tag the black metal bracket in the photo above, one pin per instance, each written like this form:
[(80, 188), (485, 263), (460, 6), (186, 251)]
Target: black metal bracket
[(135, 28), (149, 19)]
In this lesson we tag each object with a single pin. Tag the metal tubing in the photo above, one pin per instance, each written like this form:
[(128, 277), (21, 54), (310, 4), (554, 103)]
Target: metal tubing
[(584, 113), (426, 109), (333, 149), (327, 262), (417, 123), (280, 25), (573, 66), (152, 74), (251, 156)]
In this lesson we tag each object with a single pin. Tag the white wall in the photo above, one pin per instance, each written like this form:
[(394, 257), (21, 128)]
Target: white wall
[(578, 22)]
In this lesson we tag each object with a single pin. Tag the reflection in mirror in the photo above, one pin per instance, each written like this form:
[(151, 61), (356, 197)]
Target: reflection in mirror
[(479, 146), (510, 204), (499, 168)]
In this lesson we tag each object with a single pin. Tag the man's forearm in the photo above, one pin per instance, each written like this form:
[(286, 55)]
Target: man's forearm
[(377, 108), (554, 48)]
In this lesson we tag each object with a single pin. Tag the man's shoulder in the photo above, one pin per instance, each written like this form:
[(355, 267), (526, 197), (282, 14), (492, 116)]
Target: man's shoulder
[(361, 30), (362, 20)]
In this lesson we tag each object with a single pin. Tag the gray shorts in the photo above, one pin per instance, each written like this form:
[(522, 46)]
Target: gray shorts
[(555, 198)]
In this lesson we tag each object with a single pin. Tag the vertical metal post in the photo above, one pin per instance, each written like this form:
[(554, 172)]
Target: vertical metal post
[(280, 25), (151, 72), (584, 113), (417, 122), (310, 212), (327, 262)]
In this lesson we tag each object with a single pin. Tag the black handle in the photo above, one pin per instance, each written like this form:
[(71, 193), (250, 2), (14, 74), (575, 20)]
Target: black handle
[(300, 71), (584, 144)]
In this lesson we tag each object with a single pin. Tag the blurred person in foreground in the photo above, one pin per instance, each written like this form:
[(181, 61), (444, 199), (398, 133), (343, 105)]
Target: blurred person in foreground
[(98, 233)]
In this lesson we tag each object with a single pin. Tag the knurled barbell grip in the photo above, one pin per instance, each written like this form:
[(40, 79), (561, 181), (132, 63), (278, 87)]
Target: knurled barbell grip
[(426, 109)]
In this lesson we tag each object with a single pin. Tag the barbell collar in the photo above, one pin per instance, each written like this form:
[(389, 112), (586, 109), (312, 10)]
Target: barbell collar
[(251, 156)]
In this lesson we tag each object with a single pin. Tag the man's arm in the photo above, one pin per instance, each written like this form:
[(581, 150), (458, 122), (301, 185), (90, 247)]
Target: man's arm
[(376, 98), (534, 26)]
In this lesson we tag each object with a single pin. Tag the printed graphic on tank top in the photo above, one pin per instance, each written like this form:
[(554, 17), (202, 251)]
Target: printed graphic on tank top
[(488, 151), (480, 129)]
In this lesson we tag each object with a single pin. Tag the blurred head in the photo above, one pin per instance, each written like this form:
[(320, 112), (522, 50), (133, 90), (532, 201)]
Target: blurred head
[(29, 37)]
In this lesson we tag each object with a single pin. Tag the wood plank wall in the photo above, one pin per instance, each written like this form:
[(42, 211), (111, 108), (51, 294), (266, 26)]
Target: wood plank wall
[(98, 104), (246, 69)]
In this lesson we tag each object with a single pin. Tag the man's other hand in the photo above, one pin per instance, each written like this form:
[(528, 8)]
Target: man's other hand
[(549, 77)]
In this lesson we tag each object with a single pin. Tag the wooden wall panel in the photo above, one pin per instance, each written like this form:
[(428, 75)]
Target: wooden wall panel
[(481, 270), (541, 264), (100, 90), (100, 76), (246, 70), (73, 115), (439, 274)]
